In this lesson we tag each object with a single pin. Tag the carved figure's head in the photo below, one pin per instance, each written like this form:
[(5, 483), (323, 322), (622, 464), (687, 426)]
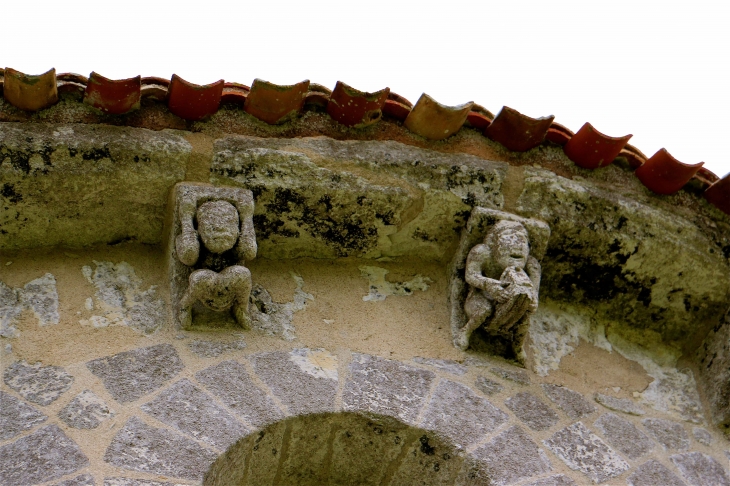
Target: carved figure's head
[(509, 244), (218, 225)]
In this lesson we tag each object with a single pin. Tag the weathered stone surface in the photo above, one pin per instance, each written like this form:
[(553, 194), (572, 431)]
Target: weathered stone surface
[(702, 436), (77, 185), (231, 383), (315, 196), (512, 374), (307, 454), (714, 357), (487, 386), (507, 458), (314, 371), (275, 318), (674, 391), (653, 473), (671, 435), (139, 447), (213, 349), (460, 414), (380, 288), (36, 383), (132, 374), (700, 469), (583, 451), (41, 297), (136, 482), (10, 309), (557, 480), (645, 244), (386, 387), (569, 401), (85, 411), (82, 480), (120, 300), (532, 411), (428, 459), (44, 455), (447, 365), (193, 412), (16, 416), (624, 405), (624, 436)]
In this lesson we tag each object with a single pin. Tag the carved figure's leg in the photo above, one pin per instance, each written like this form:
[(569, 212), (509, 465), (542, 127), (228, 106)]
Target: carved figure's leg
[(199, 283), (239, 279), (519, 332), (478, 307)]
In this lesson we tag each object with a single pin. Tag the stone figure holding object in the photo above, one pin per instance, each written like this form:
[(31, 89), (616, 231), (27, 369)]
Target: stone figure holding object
[(220, 280), (504, 282)]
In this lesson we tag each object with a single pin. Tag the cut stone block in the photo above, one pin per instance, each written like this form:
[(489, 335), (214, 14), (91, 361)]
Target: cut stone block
[(429, 460), (700, 469), (139, 447), (82, 480), (307, 455), (671, 435), (16, 416), (458, 413), (702, 436), (624, 436), (314, 371), (532, 411), (386, 387), (131, 375), (487, 386), (653, 473), (85, 411), (137, 482), (518, 376), (213, 349), (569, 401), (624, 405), (231, 383), (558, 480), (193, 412), (714, 357), (508, 458), (447, 365), (583, 451), (44, 455), (36, 383)]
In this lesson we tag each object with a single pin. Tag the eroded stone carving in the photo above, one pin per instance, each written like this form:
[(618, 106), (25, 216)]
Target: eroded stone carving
[(496, 279), (213, 238)]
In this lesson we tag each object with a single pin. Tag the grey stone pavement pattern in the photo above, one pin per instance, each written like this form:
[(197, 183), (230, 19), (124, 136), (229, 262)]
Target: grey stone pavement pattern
[(179, 425)]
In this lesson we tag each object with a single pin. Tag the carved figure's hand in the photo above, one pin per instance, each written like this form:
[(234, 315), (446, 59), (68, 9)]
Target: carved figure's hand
[(501, 293), (187, 247)]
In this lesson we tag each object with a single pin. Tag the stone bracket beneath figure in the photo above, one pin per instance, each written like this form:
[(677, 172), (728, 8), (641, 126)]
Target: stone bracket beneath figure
[(495, 280), (212, 236)]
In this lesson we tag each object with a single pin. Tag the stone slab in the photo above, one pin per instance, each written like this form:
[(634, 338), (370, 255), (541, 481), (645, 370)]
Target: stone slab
[(702, 436), (195, 413), (624, 405), (653, 473), (532, 411), (571, 402), (16, 416), (139, 447), (518, 376), (557, 480), (624, 436), (137, 482), (458, 413), (231, 383), (487, 386), (447, 365), (44, 455), (38, 384), (82, 480), (85, 411), (671, 435), (386, 387), (314, 371), (700, 469), (213, 349), (582, 450), (131, 375)]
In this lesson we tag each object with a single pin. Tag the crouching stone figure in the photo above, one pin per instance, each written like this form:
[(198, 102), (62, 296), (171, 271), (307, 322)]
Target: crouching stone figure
[(216, 238)]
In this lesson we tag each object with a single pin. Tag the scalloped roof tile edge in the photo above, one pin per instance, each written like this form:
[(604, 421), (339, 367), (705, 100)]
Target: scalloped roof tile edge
[(33, 93)]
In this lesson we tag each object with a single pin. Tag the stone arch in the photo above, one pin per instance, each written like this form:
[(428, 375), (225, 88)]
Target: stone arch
[(338, 448)]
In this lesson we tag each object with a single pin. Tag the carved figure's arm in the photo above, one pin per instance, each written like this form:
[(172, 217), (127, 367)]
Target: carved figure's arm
[(186, 243), (474, 274), (246, 247)]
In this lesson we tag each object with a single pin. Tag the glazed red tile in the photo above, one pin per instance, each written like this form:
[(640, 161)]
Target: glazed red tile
[(718, 194), (192, 101), (558, 134), (113, 96), (663, 174), (591, 149), (518, 132), (434, 121), (274, 103), (355, 108), (30, 92)]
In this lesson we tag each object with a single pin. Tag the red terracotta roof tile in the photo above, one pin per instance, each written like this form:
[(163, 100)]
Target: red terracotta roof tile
[(193, 101), (275, 103), (115, 96), (664, 174), (155, 88), (516, 131), (591, 149), (558, 134), (355, 108), (635, 157), (434, 121), (235, 93), (718, 194), (30, 92), (318, 96), (479, 117)]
